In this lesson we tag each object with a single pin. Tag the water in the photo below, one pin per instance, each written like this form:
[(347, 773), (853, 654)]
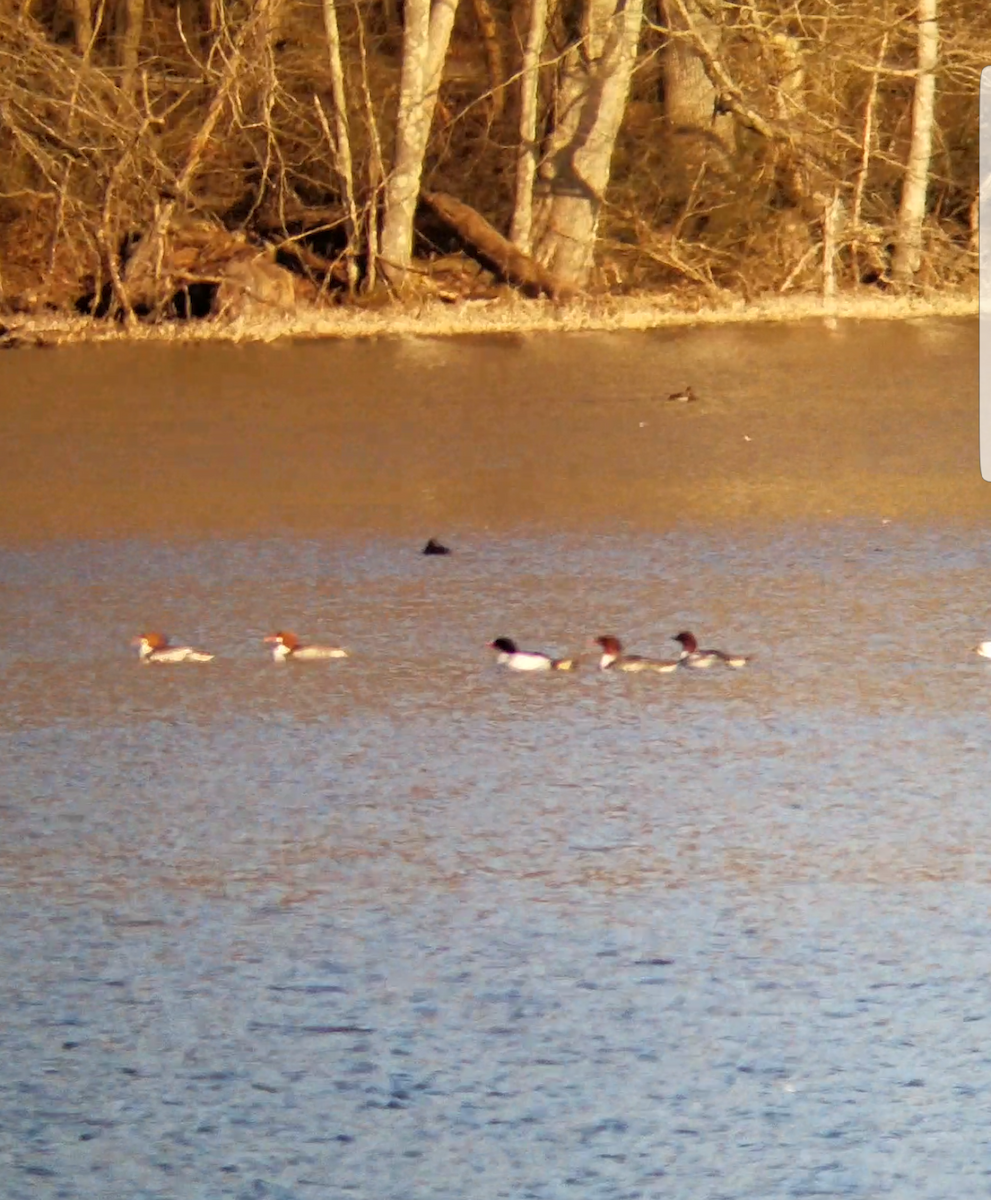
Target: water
[(408, 926)]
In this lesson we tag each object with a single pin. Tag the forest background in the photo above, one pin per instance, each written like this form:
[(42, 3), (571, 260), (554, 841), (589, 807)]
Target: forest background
[(196, 156)]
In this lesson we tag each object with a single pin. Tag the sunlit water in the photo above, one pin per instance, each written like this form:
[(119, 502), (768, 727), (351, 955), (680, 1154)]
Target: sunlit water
[(407, 925)]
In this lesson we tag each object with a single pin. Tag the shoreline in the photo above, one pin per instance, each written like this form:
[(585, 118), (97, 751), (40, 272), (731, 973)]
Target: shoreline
[(515, 316)]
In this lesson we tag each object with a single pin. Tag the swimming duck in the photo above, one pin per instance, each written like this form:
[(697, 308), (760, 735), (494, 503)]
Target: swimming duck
[(435, 547), (155, 648), (685, 396), (700, 660), (287, 646), (613, 658), (508, 655)]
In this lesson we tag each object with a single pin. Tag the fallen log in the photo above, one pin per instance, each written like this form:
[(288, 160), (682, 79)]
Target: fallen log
[(507, 259)]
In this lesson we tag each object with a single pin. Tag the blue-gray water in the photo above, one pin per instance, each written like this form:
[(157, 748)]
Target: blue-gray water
[(409, 926)]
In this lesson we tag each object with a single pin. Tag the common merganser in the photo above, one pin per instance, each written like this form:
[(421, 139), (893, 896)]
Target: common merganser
[(700, 660), (685, 396), (155, 648), (435, 547), (613, 658), (984, 649), (528, 660), (288, 647)]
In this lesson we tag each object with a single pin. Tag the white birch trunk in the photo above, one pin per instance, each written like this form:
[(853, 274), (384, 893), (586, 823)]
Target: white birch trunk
[(343, 138), (832, 227), (376, 171), (912, 212), (526, 161), (425, 41), (591, 105)]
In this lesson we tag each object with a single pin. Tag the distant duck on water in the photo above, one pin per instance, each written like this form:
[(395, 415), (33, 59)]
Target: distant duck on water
[(435, 547), (700, 660), (508, 655), (613, 659), (155, 648), (685, 396), (288, 648)]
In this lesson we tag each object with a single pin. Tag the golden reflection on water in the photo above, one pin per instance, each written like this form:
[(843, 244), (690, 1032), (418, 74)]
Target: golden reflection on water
[(551, 440), (563, 431)]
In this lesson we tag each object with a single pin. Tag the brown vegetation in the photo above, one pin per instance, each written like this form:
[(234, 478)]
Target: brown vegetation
[(176, 157)]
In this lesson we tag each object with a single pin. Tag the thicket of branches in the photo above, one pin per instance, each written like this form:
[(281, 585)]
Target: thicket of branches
[(758, 143)]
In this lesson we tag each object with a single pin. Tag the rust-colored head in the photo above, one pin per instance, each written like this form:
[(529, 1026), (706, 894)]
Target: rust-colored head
[(689, 643), (284, 638), (154, 641), (609, 644)]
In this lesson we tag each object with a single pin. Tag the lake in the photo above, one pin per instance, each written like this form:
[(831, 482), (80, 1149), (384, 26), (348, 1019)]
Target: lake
[(407, 925)]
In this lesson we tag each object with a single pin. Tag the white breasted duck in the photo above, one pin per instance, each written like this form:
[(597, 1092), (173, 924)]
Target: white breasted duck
[(613, 658), (983, 649), (288, 648), (508, 655), (685, 396), (155, 648), (700, 660)]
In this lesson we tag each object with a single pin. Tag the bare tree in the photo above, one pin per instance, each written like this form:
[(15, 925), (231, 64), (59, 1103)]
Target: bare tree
[(689, 93), (912, 212), (342, 142), (376, 170), (526, 158), (82, 11), (489, 29), (141, 144), (131, 14), (425, 40), (591, 102)]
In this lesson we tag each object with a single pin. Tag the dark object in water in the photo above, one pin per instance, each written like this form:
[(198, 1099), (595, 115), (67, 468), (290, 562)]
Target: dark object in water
[(685, 396), (435, 547)]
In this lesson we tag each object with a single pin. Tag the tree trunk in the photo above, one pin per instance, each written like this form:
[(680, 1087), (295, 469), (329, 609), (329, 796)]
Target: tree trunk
[(912, 212), (83, 25), (489, 29), (375, 169), (866, 142), (526, 161), (689, 93), (342, 142), (591, 103), (132, 14), (425, 40)]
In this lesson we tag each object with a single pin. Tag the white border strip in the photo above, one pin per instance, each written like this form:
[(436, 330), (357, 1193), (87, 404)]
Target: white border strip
[(984, 250)]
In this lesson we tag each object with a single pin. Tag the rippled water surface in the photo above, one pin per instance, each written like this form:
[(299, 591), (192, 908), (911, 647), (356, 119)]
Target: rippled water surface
[(409, 926)]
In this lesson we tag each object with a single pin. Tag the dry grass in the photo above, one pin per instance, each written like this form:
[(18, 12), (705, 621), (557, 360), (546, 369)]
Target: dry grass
[(435, 319)]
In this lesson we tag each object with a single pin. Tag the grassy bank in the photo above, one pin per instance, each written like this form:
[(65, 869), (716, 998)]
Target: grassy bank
[(491, 317)]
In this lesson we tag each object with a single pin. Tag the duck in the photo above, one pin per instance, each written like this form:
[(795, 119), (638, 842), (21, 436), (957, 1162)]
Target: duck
[(613, 658), (435, 547), (508, 655), (700, 660), (983, 649), (287, 646), (685, 396), (155, 648)]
